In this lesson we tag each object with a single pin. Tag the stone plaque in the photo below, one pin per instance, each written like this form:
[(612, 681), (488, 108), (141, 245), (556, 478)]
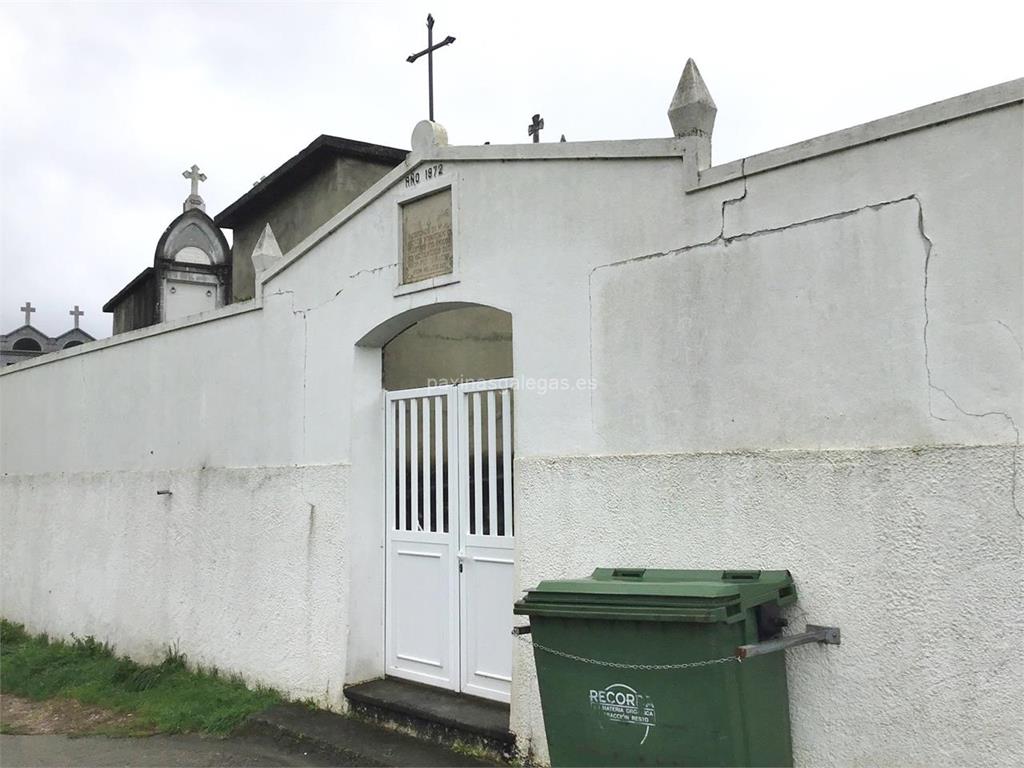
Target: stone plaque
[(427, 237)]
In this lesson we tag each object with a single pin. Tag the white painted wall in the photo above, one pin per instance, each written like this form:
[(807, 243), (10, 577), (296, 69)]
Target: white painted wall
[(762, 397), (914, 553), (243, 569)]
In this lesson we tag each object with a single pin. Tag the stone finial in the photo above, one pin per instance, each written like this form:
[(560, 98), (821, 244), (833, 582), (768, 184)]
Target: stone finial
[(692, 114), (267, 252), (427, 135), (692, 111)]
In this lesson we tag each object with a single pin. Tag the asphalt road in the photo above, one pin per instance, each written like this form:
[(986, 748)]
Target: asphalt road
[(145, 752)]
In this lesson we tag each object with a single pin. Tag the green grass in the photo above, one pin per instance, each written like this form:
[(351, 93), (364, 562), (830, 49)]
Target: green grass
[(168, 696)]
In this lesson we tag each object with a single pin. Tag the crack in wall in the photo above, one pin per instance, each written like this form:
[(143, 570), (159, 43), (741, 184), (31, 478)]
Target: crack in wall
[(726, 240), (304, 314), (933, 387), (1013, 336), (734, 200), (371, 270)]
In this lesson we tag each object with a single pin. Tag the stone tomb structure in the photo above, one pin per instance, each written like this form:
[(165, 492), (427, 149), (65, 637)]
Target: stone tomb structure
[(27, 341), (191, 271), (806, 359), (195, 271), (297, 198)]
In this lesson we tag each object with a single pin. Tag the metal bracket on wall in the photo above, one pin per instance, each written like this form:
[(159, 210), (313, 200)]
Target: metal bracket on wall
[(812, 634), (523, 630)]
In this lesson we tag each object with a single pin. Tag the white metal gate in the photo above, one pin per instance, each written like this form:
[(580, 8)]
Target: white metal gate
[(450, 536)]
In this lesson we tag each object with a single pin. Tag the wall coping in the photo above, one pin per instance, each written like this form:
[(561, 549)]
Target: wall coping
[(231, 310), (957, 107), (965, 105)]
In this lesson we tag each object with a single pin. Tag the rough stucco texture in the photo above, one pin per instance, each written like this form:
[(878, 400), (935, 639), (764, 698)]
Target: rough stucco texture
[(241, 568), (914, 554)]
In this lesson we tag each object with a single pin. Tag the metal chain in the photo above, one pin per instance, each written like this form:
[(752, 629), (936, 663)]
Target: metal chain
[(618, 665)]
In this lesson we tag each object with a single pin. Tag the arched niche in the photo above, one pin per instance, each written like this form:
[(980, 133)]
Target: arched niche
[(193, 238), (190, 254), (450, 345), (27, 345)]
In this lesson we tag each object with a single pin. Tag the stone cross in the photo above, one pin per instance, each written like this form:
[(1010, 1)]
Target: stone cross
[(194, 200), (196, 176), (429, 51), (533, 129), (76, 313), (28, 309)]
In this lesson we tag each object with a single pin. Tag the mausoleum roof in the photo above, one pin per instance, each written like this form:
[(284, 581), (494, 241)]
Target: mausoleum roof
[(284, 178), (128, 289)]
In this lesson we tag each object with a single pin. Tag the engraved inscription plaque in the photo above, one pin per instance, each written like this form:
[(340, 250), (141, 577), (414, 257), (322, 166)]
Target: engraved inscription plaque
[(427, 237)]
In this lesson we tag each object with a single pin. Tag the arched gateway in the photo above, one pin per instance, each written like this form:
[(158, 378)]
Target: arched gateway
[(448, 509)]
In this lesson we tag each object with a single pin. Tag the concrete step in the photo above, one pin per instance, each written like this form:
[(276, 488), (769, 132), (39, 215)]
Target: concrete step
[(445, 717), (332, 739)]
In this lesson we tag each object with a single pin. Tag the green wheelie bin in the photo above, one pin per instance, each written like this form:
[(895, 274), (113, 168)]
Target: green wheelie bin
[(638, 667)]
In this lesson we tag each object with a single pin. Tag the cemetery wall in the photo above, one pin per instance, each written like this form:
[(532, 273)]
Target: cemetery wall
[(809, 359), (832, 383)]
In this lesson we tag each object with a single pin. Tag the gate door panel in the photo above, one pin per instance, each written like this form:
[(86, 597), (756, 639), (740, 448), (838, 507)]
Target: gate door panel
[(486, 537), (450, 546), (421, 601)]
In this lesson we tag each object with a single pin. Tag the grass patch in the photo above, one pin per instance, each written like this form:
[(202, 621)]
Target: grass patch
[(168, 696)]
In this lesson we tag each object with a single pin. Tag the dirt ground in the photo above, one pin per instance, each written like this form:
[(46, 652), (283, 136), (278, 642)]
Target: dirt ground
[(26, 717)]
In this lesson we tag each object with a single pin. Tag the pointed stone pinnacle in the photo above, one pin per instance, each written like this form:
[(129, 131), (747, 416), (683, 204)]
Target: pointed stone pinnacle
[(692, 111), (267, 252)]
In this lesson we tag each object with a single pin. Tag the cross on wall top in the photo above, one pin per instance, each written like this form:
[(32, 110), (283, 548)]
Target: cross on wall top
[(28, 309), (76, 313), (429, 52), (534, 128)]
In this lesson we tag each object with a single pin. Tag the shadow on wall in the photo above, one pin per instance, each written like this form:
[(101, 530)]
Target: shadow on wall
[(465, 344)]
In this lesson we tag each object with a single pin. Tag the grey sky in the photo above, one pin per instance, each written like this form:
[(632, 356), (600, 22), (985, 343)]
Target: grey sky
[(103, 106)]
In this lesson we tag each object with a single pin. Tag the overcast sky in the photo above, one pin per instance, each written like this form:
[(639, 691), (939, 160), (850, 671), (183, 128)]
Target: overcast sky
[(104, 105)]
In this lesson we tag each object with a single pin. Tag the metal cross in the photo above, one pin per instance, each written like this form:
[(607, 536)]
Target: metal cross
[(429, 51), (534, 128), (76, 313), (194, 174), (28, 309)]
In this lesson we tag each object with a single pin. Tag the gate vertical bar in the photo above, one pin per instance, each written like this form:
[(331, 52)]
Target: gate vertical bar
[(414, 467), (391, 513), (460, 507), (439, 464), (478, 484), (506, 457), (400, 475), (492, 467), (428, 519)]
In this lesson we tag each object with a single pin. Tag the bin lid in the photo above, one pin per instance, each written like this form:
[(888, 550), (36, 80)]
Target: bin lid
[(659, 594)]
